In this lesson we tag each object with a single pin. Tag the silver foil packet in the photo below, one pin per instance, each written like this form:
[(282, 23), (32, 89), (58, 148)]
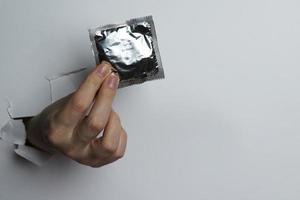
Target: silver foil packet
[(131, 48)]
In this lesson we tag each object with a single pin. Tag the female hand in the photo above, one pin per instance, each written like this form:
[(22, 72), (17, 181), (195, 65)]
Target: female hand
[(72, 124)]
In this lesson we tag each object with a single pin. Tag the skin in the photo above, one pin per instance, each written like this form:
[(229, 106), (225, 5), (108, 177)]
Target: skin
[(73, 124)]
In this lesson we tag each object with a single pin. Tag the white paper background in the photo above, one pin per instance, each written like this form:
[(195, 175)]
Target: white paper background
[(223, 125)]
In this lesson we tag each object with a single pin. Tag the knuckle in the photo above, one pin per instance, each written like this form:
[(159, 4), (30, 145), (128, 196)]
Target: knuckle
[(78, 104), (107, 91), (59, 138), (71, 154), (53, 136), (109, 148), (119, 155), (95, 165), (95, 124), (115, 116), (93, 81), (81, 161), (125, 135), (75, 155)]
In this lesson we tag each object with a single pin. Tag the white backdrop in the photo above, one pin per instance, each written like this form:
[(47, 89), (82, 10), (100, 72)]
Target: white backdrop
[(224, 124)]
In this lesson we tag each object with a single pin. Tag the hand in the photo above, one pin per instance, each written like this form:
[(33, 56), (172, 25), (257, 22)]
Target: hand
[(72, 125)]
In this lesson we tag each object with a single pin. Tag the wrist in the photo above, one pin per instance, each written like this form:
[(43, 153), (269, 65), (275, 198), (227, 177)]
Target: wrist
[(36, 133)]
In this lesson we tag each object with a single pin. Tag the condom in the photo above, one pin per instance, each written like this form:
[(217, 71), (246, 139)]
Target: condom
[(131, 48)]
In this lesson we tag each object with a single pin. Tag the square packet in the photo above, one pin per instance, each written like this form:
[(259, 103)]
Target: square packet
[(131, 48)]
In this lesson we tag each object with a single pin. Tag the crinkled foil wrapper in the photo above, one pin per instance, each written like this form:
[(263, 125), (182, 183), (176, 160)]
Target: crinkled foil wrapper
[(131, 48)]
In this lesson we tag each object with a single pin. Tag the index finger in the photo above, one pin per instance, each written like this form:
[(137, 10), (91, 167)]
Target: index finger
[(82, 99)]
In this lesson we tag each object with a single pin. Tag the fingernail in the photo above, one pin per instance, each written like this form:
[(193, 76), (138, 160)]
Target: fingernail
[(113, 81), (103, 69)]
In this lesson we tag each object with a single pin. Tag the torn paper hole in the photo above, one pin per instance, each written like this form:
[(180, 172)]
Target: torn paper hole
[(14, 132), (10, 110), (64, 84), (55, 87)]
